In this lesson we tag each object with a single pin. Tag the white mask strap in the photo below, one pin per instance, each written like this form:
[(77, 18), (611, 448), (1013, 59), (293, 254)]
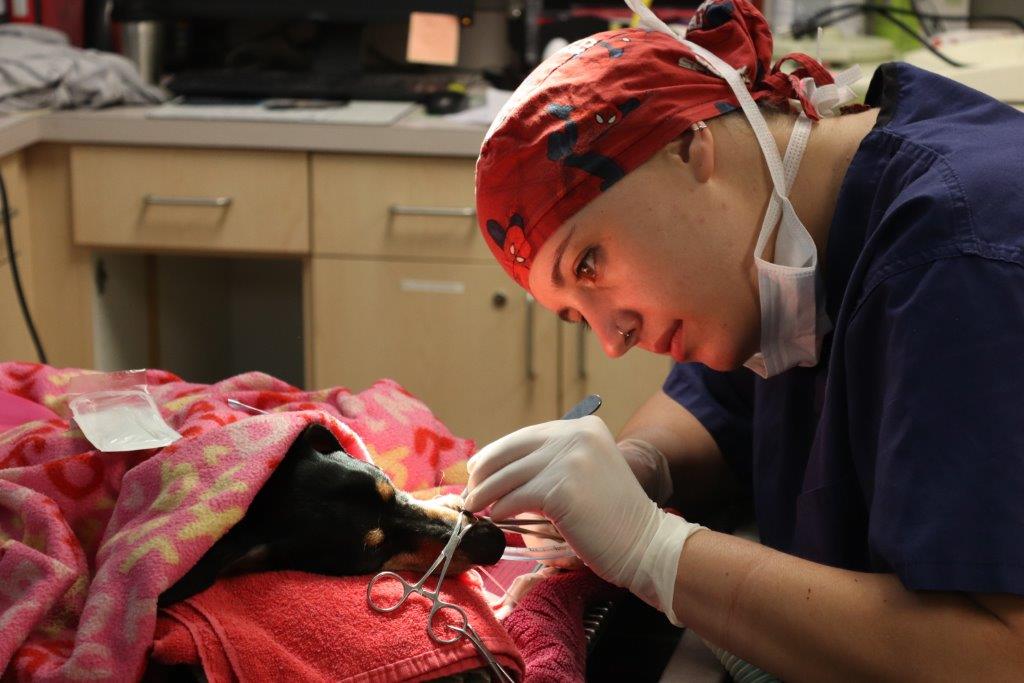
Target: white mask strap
[(649, 19), (794, 153), (753, 114), (716, 65), (825, 98)]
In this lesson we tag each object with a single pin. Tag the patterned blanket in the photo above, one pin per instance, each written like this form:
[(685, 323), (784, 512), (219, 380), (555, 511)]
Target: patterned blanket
[(88, 540)]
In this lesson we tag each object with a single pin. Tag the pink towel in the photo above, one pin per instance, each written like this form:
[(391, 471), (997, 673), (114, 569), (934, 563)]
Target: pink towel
[(293, 626), (88, 540), (547, 625)]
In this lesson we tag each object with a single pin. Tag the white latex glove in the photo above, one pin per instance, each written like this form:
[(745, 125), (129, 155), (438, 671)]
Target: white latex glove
[(572, 472), (650, 467)]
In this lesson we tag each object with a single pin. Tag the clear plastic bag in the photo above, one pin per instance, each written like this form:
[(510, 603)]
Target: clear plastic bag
[(116, 412)]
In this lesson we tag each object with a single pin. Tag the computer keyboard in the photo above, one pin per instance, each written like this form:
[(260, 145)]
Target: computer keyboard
[(245, 84), (356, 112)]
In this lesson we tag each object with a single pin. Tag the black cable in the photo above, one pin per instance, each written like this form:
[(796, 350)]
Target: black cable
[(934, 16), (929, 29), (931, 16), (16, 275), (908, 29), (822, 18), (912, 6)]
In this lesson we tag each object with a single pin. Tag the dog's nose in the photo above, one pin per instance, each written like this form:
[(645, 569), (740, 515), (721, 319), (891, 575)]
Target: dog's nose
[(484, 543)]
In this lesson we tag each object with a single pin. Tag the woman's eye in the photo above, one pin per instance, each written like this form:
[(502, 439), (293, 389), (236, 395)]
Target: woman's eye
[(587, 268)]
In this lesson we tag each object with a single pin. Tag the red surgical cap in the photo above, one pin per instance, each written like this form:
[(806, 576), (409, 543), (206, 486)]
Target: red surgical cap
[(602, 106)]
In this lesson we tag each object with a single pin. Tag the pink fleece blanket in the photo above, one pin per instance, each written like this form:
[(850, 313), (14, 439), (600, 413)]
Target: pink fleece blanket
[(88, 540)]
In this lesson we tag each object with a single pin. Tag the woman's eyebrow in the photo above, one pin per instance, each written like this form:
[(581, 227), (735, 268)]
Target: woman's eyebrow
[(556, 270)]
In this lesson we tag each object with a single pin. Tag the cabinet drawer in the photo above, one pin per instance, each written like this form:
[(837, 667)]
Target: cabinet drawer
[(190, 199), (461, 337), (395, 206)]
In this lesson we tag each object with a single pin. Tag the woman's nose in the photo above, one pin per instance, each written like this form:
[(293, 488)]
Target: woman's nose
[(617, 334)]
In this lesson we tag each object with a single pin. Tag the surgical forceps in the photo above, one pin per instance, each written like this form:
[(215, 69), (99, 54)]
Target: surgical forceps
[(462, 627)]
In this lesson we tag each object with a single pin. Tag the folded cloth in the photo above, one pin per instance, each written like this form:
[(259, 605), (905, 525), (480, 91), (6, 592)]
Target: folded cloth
[(88, 540), (39, 69), (290, 626), (547, 625)]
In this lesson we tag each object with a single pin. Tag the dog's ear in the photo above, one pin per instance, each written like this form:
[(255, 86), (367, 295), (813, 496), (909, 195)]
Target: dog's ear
[(321, 439)]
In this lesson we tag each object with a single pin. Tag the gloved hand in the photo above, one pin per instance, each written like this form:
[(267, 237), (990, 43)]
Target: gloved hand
[(650, 467), (572, 472)]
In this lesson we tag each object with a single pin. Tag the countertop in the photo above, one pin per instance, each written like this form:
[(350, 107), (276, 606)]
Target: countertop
[(415, 134)]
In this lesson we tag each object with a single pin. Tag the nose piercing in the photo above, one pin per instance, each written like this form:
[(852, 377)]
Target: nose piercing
[(625, 335)]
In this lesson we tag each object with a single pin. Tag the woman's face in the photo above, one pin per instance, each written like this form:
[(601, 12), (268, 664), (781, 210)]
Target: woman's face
[(664, 256)]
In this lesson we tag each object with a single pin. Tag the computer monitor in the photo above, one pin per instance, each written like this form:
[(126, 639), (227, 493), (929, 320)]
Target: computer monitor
[(324, 49)]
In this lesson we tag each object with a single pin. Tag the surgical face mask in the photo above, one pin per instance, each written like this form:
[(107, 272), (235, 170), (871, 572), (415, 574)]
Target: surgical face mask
[(793, 320)]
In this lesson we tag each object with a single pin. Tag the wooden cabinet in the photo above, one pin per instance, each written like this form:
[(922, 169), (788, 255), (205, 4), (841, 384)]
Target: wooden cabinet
[(15, 342), (390, 206), (191, 200), (396, 280), (461, 337), (624, 384)]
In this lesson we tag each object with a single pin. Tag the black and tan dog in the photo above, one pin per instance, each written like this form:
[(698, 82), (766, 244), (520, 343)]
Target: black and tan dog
[(325, 512)]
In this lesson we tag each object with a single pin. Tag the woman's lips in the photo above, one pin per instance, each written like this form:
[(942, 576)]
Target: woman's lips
[(676, 349)]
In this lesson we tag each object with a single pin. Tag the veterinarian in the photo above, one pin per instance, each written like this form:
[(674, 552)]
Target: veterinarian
[(848, 326)]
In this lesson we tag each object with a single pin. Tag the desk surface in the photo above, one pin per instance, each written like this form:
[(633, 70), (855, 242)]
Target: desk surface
[(416, 134)]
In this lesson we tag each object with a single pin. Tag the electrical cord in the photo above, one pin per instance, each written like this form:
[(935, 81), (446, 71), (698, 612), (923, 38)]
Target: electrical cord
[(16, 275), (835, 13), (821, 18), (869, 7), (931, 27)]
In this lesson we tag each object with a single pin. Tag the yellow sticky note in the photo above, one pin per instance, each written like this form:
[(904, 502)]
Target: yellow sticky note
[(433, 38)]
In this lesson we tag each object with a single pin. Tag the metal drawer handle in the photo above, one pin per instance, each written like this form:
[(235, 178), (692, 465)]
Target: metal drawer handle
[(164, 200), (449, 211), (581, 352)]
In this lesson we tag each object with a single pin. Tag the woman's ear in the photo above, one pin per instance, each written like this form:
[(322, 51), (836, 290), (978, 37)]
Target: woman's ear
[(696, 148), (702, 152)]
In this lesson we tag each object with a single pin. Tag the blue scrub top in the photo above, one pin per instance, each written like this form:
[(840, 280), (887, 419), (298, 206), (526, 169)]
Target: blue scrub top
[(903, 449)]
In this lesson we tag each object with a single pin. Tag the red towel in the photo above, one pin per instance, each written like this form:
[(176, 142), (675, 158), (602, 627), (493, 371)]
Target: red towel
[(299, 626), (547, 625)]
